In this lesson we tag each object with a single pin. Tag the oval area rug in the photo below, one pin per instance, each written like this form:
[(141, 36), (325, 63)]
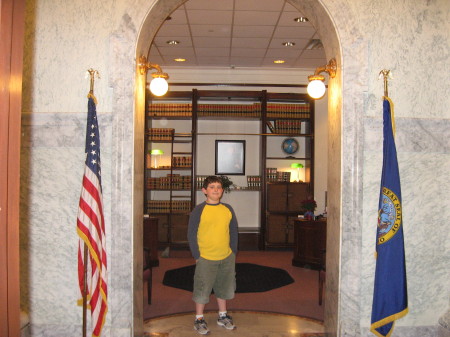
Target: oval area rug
[(250, 278)]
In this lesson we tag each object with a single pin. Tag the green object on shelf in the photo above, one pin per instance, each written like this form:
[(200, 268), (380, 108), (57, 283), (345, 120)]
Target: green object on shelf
[(156, 151)]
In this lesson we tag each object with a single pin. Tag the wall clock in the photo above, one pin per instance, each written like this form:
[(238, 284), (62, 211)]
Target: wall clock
[(290, 146)]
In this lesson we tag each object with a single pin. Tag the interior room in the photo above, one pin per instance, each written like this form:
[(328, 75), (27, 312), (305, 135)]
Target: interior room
[(280, 132), (58, 56)]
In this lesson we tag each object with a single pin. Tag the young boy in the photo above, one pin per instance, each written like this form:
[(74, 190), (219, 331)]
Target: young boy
[(213, 238)]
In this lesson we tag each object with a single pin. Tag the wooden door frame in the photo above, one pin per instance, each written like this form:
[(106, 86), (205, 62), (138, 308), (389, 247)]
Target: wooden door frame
[(11, 66)]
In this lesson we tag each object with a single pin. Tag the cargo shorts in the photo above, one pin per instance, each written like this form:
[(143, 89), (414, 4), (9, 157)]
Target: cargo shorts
[(219, 276)]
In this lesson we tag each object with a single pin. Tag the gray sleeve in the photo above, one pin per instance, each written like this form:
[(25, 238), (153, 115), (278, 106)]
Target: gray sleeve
[(194, 221), (233, 231)]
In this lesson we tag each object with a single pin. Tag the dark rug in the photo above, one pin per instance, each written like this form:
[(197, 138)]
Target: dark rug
[(250, 278)]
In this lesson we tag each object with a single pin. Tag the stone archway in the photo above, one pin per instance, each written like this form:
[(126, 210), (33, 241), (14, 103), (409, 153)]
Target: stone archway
[(342, 178)]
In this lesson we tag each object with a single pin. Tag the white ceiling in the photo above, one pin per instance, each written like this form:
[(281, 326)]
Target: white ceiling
[(236, 33)]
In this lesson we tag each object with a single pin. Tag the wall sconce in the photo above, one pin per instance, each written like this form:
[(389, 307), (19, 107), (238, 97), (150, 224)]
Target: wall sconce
[(158, 85), (156, 153), (316, 87), (298, 166)]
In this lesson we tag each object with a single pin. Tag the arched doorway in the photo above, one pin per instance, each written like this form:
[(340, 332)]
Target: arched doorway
[(325, 27)]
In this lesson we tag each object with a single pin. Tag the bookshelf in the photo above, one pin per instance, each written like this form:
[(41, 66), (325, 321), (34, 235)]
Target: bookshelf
[(288, 117), (175, 122)]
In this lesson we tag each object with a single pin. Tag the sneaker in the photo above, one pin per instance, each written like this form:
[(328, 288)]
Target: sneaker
[(201, 326), (226, 322)]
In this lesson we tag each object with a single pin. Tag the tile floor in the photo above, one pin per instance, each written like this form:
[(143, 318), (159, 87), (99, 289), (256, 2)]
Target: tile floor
[(249, 324)]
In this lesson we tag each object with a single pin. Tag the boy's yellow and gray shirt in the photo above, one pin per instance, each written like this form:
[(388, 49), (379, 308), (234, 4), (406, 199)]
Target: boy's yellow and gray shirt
[(213, 231)]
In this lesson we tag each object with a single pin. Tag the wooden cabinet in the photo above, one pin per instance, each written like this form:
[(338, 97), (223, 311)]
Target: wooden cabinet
[(310, 243), (151, 239), (282, 208)]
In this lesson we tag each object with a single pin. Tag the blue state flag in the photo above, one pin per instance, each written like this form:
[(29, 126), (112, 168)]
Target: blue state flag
[(390, 296)]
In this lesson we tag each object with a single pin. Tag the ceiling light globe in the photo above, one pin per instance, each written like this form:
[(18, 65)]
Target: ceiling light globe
[(316, 89), (159, 86)]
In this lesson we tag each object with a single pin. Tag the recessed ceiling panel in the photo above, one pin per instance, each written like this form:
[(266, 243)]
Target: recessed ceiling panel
[(161, 41), (250, 18), (245, 61), (179, 51), (173, 31), (314, 54), (268, 62), (245, 42), (211, 30), (211, 42), (299, 44), (178, 17), (289, 8), (210, 17), (310, 63), (294, 32), (214, 61), (210, 4), (283, 53), (253, 31), (287, 19), (190, 62), (248, 52), (212, 51), (259, 5)]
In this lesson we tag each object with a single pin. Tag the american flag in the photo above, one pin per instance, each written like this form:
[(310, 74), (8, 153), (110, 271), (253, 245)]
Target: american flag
[(91, 226)]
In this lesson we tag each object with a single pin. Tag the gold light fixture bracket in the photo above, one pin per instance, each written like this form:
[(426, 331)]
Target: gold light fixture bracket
[(145, 66), (330, 68)]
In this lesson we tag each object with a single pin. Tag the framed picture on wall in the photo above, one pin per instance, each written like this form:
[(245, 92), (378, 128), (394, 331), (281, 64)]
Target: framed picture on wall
[(230, 157)]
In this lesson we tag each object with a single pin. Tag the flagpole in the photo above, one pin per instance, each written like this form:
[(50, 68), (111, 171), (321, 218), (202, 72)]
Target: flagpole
[(85, 254), (385, 73), (92, 74)]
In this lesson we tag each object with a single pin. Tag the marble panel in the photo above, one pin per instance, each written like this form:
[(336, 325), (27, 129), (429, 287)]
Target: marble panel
[(424, 159), (52, 166)]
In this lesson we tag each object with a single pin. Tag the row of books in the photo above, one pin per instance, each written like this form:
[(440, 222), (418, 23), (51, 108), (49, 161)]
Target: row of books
[(253, 182), (273, 175), (287, 108), (170, 109), (288, 126), (161, 133), (230, 110), (167, 206), (199, 182), (184, 162), (174, 182)]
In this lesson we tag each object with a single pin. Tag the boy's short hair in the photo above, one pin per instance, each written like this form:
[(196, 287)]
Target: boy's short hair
[(210, 180)]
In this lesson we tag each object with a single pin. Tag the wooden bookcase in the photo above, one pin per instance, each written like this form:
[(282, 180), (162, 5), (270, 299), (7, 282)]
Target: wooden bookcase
[(172, 123)]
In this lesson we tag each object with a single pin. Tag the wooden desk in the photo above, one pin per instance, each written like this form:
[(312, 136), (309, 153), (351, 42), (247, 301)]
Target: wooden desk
[(151, 239), (310, 239)]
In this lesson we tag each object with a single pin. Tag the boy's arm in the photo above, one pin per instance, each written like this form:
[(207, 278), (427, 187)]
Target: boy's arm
[(233, 232), (194, 221)]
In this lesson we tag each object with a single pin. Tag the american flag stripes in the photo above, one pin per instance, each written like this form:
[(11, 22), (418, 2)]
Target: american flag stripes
[(91, 227)]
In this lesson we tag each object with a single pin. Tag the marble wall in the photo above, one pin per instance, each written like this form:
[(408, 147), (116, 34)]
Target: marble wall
[(64, 39), (52, 167)]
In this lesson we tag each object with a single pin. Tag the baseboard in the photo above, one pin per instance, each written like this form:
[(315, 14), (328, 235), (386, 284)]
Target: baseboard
[(248, 239), (413, 331)]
